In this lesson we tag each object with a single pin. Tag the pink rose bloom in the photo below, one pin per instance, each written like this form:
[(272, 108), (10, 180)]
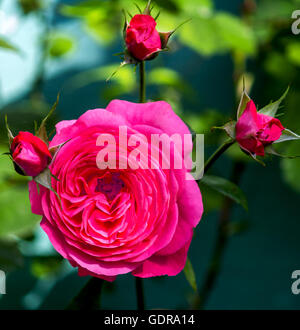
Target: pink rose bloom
[(142, 39), (116, 221), (30, 153), (254, 131)]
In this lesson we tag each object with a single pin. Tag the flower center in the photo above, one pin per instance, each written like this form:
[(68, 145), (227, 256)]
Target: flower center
[(110, 185)]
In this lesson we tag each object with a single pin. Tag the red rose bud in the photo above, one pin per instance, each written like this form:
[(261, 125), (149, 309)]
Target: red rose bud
[(255, 131), (142, 39), (30, 153)]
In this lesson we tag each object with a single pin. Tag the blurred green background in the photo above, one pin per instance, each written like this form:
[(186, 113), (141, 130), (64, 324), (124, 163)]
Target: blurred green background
[(68, 46)]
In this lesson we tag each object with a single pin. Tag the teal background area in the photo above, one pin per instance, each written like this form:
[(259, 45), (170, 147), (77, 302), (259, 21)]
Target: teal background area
[(258, 263)]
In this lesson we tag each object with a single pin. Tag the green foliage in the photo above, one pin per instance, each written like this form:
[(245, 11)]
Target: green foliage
[(236, 35), (277, 65), (124, 82), (190, 274), (293, 52), (29, 6), (60, 45), (205, 41), (46, 266), (211, 200), (15, 211), (10, 256), (226, 188), (279, 10), (22, 115), (165, 77), (272, 108), (4, 44), (290, 167)]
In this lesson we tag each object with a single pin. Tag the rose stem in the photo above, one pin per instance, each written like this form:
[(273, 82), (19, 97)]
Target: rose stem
[(138, 281), (89, 296), (142, 82), (139, 293), (226, 210), (228, 143)]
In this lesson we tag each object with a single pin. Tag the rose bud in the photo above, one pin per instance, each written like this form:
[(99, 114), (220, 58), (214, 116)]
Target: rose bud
[(255, 131), (30, 154), (142, 39)]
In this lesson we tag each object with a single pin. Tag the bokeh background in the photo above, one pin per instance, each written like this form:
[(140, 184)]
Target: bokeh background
[(69, 46)]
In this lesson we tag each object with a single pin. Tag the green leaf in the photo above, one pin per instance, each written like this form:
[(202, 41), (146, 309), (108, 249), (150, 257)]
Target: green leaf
[(287, 135), (60, 45), (226, 188), (190, 274), (272, 108), (8, 46), (235, 34), (206, 41)]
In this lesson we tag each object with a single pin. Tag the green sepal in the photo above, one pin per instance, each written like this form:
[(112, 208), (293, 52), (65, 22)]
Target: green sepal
[(44, 179), (127, 59), (271, 151), (254, 157), (245, 98), (42, 131), (272, 108), (287, 135), (229, 128), (19, 169), (9, 133)]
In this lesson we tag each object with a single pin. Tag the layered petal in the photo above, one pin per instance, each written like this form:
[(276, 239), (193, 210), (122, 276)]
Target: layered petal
[(111, 221)]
